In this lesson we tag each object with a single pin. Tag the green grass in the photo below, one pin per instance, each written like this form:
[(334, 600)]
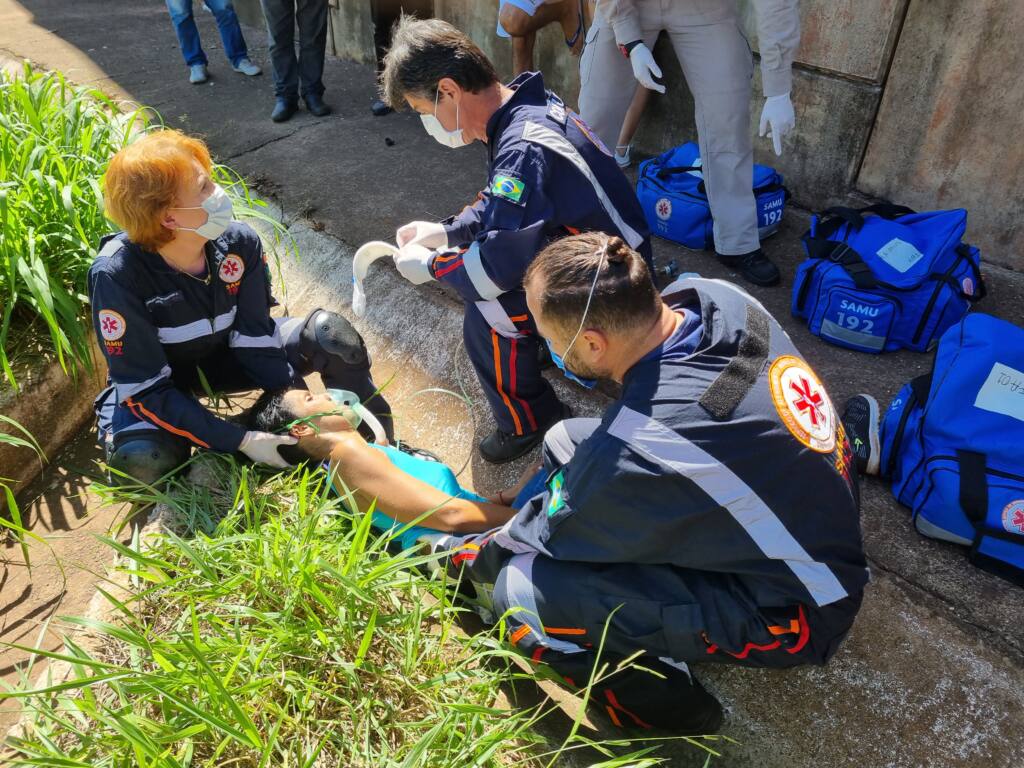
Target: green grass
[(280, 632), (55, 142)]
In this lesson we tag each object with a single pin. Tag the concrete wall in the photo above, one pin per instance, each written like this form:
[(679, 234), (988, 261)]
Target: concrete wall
[(917, 101)]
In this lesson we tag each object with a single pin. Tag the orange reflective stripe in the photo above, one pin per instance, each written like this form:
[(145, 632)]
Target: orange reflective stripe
[(497, 373), (571, 230), (447, 258), (161, 423), (565, 630), (612, 716), (519, 318), (519, 634), (792, 629)]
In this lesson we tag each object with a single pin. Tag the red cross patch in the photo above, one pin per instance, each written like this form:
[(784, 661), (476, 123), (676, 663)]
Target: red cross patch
[(112, 324), (231, 269), (1013, 517), (803, 404), (663, 208)]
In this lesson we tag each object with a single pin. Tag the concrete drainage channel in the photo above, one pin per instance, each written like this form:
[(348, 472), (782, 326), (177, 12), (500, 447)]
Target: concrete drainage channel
[(911, 687)]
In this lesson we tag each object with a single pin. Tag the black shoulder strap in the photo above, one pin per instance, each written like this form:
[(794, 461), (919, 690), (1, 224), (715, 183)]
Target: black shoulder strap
[(729, 388), (973, 486)]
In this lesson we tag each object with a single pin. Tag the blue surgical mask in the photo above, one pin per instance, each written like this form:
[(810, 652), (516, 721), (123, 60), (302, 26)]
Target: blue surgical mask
[(557, 360), (219, 213)]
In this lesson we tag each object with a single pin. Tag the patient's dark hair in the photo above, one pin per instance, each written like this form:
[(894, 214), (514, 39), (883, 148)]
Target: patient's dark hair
[(270, 414)]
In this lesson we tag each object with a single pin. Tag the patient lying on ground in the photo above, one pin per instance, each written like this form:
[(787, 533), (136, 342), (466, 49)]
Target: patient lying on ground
[(406, 484)]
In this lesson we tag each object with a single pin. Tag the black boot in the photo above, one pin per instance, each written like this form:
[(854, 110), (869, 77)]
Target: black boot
[(754, 266), (316, 105), (633, 698), (283, 110), (500, 447)]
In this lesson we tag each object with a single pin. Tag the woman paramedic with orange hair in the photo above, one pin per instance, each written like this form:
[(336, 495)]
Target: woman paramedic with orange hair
[(182, 294)]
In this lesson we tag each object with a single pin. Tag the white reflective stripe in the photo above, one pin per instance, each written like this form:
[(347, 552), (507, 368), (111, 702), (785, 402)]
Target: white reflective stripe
[(478, 276), (498, 319), (554, 141), (124, 391), (558, 443), (195, 330), (237, 340), (111, 247), (514, 589), (504, 540), (659, 443)]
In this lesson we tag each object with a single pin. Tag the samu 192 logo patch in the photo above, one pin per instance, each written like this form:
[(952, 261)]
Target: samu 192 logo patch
[(803, 404), (508, 187), (1013, 517), (556, 499), (112, 325), (231, 269)]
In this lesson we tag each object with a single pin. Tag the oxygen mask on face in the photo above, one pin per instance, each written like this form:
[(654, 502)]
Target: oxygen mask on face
[(356, 413)]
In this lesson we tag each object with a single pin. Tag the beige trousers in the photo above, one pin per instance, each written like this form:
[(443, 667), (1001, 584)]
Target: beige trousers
[(718, 65)]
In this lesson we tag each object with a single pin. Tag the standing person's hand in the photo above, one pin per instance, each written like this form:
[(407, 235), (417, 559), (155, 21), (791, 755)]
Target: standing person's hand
[(777, 119), (426, 233), (645, 68), (413, 263), (261, 447)]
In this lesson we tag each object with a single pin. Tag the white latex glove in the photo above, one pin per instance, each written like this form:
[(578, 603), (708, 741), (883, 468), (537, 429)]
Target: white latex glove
[(261, 447), (413, 263), (645, 68), (426, 233), (777, 119)]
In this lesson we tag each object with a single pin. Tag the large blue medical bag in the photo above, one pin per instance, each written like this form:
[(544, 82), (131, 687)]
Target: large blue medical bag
[(884, 277), (671, 191), (953, 444)]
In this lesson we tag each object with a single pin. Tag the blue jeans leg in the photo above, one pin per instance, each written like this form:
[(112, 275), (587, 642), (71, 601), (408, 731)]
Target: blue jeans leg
[(185, 27), (230, 32)]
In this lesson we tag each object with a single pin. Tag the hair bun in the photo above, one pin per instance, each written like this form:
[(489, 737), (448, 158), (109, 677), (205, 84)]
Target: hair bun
[(616, 250)]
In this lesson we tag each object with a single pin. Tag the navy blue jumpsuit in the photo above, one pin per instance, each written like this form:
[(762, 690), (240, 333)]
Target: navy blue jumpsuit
[(549, 176), (162, 332), (710, 515)]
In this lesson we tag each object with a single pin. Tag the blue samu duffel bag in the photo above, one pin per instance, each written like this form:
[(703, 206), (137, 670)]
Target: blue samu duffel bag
[(885, 277), (671, 191), (951, 444)]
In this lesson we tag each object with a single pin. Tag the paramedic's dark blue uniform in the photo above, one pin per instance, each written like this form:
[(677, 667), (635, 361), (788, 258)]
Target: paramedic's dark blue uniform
[(714, 502), (549, 176), (159, 328)]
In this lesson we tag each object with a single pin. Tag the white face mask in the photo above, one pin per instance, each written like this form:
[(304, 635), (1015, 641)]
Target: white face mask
[(219, 213), (434, 128)]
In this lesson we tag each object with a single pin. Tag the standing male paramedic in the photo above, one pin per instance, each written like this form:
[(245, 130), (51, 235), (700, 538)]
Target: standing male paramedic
[(717, 62), (712, 514), (180, 299), (548, 175)]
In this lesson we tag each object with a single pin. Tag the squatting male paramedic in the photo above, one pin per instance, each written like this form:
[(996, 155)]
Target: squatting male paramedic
[(711, 515), (716, 60), (549, 175), (181, 300)]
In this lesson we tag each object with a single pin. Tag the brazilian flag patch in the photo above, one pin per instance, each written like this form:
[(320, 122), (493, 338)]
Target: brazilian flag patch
[(556, 500), (508, 187)]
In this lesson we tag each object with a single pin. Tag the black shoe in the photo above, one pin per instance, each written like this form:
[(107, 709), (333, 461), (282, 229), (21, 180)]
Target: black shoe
[(754, 266), (283, 110), (379, 108), (316, 105), (860, 419), (500, 447)]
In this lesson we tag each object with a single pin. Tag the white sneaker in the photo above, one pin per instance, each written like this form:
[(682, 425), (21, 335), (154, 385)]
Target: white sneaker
[(622, 155), (246, 67), (197, 74)]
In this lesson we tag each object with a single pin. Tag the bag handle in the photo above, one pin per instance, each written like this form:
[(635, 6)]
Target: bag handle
[(661, 173)]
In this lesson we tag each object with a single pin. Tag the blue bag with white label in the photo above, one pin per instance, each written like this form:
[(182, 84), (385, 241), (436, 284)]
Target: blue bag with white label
[(885, 277), (671, 192), (951, 444)]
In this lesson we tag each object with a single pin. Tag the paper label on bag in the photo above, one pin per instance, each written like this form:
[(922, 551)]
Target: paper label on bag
[(1003, 392), (899, 254)]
